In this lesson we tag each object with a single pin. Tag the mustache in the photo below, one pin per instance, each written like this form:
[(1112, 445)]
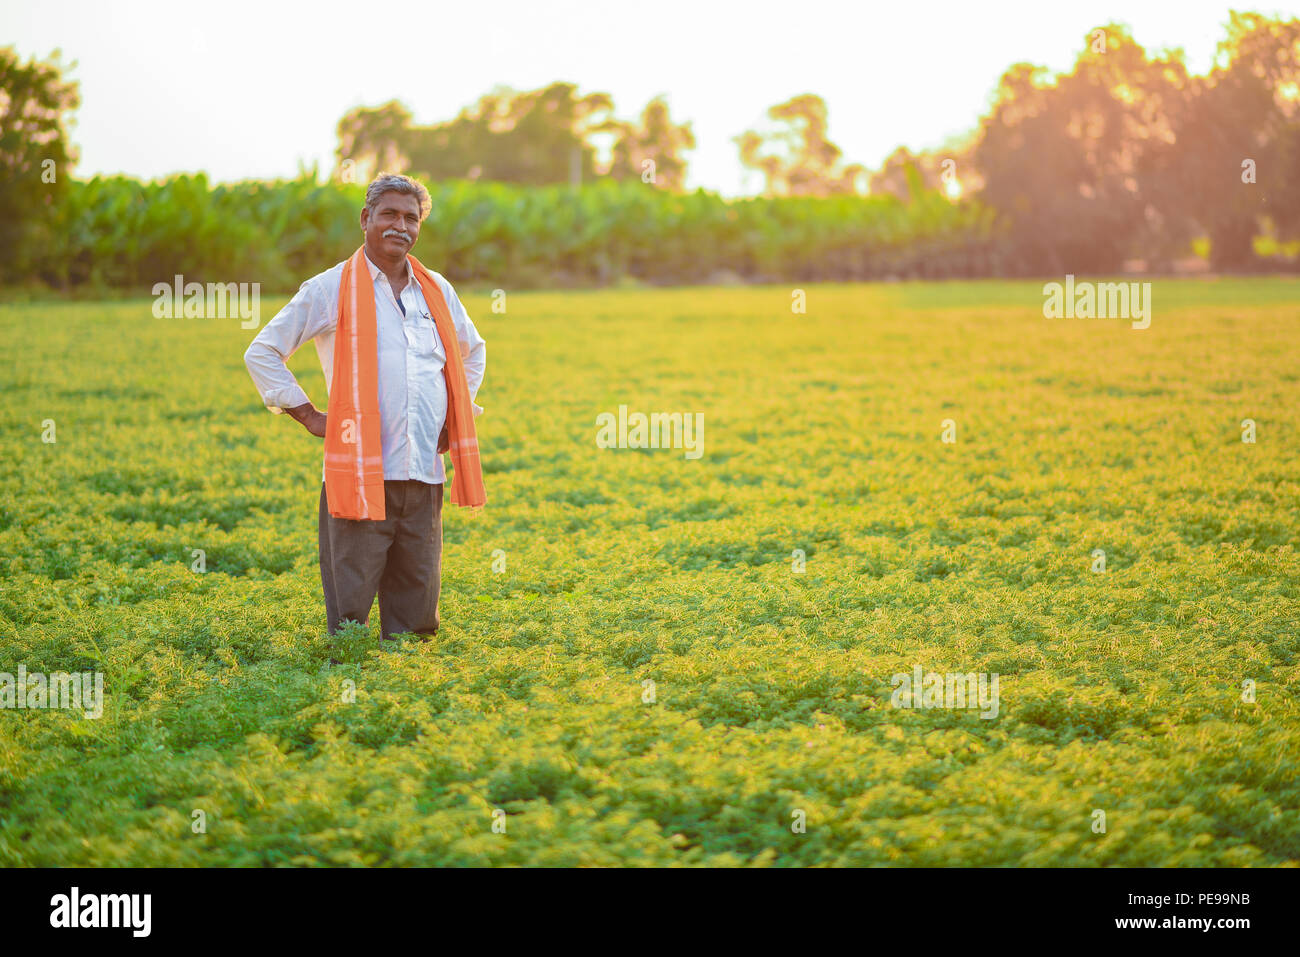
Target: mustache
[(399, 233)]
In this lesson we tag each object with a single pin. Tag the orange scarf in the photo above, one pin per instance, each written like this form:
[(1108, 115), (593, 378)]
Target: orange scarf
[(354, 461)]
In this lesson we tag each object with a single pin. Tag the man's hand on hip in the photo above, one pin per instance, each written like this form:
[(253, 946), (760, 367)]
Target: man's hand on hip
[(312, 418)]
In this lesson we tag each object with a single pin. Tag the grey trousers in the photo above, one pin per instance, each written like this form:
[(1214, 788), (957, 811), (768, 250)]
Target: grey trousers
[(399, 558)]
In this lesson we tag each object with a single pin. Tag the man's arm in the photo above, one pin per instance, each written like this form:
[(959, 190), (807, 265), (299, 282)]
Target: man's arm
[(473, 350), (303, 318)]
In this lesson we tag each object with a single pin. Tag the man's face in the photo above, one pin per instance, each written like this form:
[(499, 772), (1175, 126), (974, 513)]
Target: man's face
[(395, 225)]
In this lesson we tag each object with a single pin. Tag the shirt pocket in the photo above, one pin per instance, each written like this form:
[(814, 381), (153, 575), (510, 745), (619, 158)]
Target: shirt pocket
[(423, 337)]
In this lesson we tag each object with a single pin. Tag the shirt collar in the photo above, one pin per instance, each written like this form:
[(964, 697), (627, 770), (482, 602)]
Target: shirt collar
[(375, 271)]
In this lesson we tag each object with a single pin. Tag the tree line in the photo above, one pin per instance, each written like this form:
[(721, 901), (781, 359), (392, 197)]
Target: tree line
[(1127, 156)]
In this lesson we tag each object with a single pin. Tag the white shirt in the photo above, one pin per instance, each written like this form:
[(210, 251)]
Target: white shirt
[(412, 390)]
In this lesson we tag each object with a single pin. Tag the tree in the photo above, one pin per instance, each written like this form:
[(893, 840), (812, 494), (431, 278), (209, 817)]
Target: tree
[(534, 138), (1239, 141), (656, 139), (36, 158), (905, 172), (374, 139), (1062, 158), (1130, 155), (797, 158)]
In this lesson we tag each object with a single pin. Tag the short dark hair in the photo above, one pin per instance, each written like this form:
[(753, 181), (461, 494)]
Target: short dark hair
[(397, 183)]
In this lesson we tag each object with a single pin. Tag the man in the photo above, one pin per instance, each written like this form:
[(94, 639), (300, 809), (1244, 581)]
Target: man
[(403, 363)]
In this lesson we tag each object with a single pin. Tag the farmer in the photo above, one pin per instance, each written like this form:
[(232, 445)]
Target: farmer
[(403, 364)]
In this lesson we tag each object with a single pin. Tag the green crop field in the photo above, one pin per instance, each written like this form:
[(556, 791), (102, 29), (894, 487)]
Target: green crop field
[(635, 666)]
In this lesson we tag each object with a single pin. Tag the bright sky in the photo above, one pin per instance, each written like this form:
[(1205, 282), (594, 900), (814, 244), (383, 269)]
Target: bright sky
[(252, 89)]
